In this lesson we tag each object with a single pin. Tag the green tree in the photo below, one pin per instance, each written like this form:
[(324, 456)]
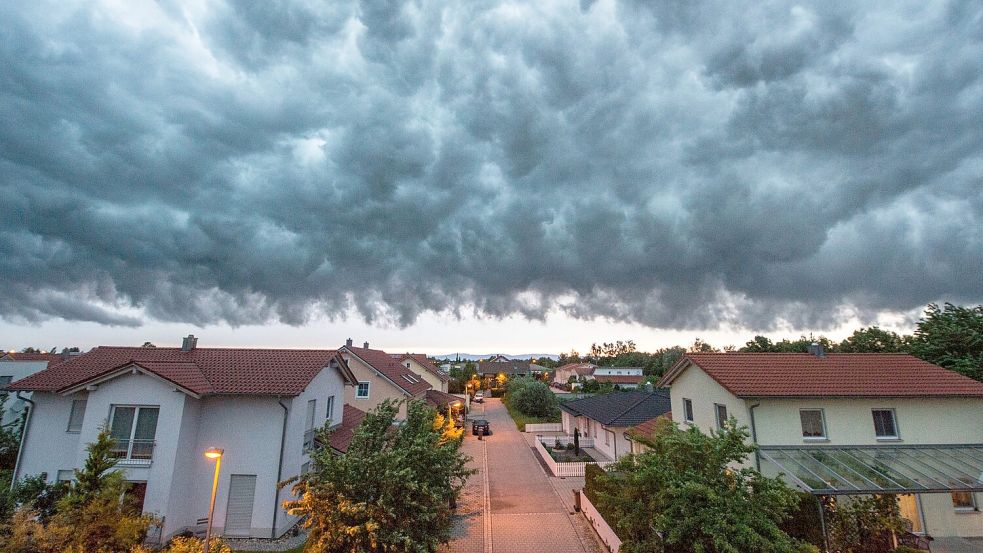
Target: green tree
[(531, 397), (951, 337), (391, 491), (691, 492), (873, 340), (96, 514)]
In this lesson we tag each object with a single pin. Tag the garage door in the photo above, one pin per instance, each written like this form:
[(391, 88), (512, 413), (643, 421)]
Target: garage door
[(239, 513)]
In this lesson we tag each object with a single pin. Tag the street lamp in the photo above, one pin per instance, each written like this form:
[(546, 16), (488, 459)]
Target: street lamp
[(216, 454)]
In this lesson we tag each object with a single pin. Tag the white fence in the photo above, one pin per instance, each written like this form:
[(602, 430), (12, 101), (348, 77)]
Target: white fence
[(564, 469), (544, 427), (564, 441), (600, 525)]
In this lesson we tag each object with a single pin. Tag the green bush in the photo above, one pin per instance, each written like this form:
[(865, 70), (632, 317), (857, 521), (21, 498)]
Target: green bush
[(531, 397)]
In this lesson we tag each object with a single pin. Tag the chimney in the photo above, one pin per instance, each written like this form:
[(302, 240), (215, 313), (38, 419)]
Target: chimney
[(817, 349), (348, 342), (189, 343), (365, 345)]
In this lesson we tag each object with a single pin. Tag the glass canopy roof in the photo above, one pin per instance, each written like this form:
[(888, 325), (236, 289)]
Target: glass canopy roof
[(829, 470)]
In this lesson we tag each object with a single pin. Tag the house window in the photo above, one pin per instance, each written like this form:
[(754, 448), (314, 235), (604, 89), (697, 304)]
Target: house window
[(813, 424), (133, 428), (66, 475), (885, 426), (721, 412), (964, 501), (5, 379), (362, 391), (329, 412), (309, 425), (687, 410), (305, 468), (607, 437), (77, 415)]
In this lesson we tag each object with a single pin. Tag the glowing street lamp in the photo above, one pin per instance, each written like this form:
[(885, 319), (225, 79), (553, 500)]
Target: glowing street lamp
[(216, 454)]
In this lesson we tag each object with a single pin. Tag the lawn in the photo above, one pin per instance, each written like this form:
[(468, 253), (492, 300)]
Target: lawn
[(521, 419)]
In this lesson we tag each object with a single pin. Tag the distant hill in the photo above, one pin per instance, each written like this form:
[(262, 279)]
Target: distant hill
[(474, 357)]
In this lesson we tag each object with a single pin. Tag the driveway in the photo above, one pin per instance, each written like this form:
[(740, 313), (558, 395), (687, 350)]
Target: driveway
[(511, 505)]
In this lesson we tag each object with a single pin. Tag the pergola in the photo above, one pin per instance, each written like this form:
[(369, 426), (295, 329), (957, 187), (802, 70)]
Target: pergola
[(853, 470)]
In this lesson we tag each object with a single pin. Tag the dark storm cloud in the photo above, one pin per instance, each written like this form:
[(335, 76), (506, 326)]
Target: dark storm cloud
[(678, 165)]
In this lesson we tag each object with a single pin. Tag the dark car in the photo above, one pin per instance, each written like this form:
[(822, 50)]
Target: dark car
[(480, 425)]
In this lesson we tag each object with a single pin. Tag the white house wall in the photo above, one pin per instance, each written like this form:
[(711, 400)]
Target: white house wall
[(249, 429), (48, 446), (139, 390), (426, 375)]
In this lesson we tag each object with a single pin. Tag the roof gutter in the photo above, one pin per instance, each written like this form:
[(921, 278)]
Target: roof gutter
[(23, 435), (279, 468)]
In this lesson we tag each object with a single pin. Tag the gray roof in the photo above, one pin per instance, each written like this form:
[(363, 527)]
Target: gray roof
[(621, 408), (506, 367)]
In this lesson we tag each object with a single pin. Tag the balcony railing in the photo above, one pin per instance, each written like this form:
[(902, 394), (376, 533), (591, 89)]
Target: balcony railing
[(133, 453)]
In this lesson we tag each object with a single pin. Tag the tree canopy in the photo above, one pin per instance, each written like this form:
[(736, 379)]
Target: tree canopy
[(691, 492), (391, 491)]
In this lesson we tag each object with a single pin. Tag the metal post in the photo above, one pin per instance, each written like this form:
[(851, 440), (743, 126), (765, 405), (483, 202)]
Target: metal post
[(822, 521), (211, 507)]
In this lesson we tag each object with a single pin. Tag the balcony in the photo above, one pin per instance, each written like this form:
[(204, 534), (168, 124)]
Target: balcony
[(133, 453)]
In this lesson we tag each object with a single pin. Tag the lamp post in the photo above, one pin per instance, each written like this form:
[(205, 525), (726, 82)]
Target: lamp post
[(216, 454)]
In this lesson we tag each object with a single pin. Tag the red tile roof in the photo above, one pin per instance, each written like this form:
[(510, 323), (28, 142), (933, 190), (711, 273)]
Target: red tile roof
[(423, 360), (341, 436), (620, 378), (651, 426), (833, 375), (200, 371), (392, 369)]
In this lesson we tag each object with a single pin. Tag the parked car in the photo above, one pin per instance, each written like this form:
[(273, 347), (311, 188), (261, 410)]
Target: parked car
[(479, 397), (480, 425)]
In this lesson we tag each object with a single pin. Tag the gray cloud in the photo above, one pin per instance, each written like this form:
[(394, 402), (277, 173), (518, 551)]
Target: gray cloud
[(683, 166)]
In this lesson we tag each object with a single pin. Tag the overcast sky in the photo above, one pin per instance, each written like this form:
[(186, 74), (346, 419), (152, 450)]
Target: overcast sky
[(451, 174)]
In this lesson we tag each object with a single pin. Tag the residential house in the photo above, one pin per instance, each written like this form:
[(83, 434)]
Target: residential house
[(421, 365), (850, 424), (380, 377), (563, 373), (341, 436), (623, 381), (166, 406), (607, 417), (15, 366), (490, 370)]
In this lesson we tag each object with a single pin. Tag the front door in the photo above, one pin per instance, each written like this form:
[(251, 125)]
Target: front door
[(911, 510)]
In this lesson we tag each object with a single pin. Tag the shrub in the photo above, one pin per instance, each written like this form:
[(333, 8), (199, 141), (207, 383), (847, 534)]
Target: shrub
[(531, 397), (195, 545), (804, 523)]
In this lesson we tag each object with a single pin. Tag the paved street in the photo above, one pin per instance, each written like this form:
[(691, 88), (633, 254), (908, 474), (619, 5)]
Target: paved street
[(511, 505)]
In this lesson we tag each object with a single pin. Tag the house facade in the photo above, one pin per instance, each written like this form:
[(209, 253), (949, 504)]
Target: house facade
[(166, 406), (850, 424), (563, 373), (608, 417), (421, 365), (379, 377)]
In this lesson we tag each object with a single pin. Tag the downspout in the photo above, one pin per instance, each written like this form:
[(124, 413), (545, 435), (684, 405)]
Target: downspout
[(23, 435), (754, 437), (279, 468)]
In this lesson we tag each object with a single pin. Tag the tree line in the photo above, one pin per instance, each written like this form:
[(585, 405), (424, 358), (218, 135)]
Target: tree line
[(949, 335)]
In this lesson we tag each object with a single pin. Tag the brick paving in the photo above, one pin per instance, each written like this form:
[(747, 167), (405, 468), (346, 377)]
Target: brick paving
[(512, 506)]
